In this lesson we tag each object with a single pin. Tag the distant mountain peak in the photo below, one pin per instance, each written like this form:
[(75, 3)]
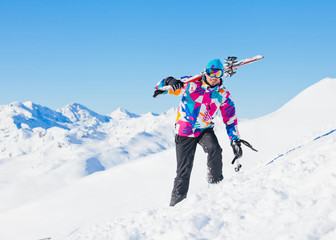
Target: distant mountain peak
[(79, 113), (121, 113), (30, 104), (31, 115)]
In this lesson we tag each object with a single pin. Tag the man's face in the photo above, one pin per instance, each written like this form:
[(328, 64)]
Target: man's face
[(213, 81)]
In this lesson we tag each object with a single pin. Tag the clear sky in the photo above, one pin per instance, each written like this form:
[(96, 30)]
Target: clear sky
[(110, 54)]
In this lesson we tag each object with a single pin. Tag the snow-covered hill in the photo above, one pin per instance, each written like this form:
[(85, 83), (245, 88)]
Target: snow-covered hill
[(306, 115), (48, 189)]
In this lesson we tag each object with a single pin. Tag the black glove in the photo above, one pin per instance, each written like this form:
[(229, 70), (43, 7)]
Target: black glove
[(237, 150), (174, 83)]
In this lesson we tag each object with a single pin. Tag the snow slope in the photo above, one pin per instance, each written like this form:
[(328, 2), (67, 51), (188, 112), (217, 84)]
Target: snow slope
[(306, 115), (292, 198), (52, 181)]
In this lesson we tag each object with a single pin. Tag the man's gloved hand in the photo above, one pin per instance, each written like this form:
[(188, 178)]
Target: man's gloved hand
[(174, 83), (237, 150), (229, 72)]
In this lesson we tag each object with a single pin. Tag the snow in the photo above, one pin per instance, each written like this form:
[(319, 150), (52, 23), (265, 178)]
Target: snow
[(74, 174), (286, 200)]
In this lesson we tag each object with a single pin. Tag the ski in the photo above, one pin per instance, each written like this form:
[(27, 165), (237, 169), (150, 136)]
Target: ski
[(244, 62), (230, 65)]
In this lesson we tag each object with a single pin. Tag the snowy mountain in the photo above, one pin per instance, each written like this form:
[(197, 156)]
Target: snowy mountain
[(30, 115), (75, 126), (64, 171), (79, 113)]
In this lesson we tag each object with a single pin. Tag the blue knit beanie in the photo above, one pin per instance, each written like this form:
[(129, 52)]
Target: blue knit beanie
[(216, 64)]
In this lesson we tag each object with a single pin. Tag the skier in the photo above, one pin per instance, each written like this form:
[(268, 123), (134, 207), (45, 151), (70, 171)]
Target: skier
[(199, 104)]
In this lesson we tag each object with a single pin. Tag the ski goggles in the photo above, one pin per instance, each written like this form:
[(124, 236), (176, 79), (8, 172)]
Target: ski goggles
[(212, 72)]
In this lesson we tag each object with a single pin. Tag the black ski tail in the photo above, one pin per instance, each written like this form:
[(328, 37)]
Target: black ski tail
[(247, 144)]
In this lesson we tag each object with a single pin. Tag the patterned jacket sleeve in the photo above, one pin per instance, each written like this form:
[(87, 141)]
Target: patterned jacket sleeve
[(228, 111), (178, 92)]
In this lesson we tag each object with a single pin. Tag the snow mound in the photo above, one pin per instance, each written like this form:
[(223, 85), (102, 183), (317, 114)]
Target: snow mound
[(314, 102)]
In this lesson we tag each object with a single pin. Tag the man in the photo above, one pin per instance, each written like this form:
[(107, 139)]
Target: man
[(200, 102)]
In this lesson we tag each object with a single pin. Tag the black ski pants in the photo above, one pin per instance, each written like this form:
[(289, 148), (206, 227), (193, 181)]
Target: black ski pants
[(185, 152)]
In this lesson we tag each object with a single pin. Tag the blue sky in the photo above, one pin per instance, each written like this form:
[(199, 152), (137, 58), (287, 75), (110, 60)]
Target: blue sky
[(109, 54)]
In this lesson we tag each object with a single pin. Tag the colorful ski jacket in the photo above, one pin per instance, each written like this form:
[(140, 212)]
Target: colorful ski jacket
[(199, 105)]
